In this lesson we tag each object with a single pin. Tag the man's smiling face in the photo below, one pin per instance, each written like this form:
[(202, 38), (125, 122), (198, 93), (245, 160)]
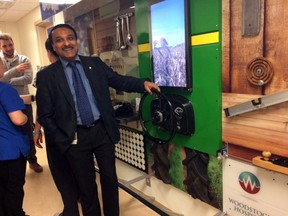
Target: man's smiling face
[(7, 47), (65, 43)]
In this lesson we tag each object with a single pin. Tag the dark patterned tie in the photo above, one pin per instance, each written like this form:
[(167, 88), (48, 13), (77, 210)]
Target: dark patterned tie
[(83, 104)]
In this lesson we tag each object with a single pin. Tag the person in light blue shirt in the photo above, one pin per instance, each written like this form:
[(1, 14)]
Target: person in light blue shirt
[(14, 148)]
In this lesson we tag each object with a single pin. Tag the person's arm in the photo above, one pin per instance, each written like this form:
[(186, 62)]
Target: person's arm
[(8, 75), (37, 134), (126, 83), (27, 77), (11, 75), (13, 105), (37, 126), (18, 117), (1, 69), (28, 99)]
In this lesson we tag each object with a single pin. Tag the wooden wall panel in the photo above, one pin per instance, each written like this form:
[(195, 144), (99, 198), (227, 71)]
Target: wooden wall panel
[(226, 46), (266, 129), (239, 50), (276, 46), (243, 50)]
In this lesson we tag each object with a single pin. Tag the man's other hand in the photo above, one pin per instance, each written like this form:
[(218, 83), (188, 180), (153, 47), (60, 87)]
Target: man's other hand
[(22, 67)]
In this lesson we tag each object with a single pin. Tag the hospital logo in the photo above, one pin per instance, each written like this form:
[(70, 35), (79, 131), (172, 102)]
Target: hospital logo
[(249, 182)]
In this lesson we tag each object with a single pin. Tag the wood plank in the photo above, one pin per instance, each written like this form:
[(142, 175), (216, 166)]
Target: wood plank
[(243, 50), (226, 46), (270, 43), (241, 153), (257, 139), (258, 123), (276, 45)]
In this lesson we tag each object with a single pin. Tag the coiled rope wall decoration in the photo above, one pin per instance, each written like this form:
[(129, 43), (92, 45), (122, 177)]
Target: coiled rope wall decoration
[(259, 71)]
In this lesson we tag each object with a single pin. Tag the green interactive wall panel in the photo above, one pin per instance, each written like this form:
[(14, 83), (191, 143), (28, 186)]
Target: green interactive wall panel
[(206, 95), (205, 16)]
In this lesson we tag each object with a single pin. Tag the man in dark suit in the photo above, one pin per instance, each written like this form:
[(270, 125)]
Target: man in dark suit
[(63, 122)]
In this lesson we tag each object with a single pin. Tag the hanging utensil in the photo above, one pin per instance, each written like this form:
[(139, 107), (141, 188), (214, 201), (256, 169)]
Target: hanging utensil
[(122, 36), (129, 38), (118, 42)]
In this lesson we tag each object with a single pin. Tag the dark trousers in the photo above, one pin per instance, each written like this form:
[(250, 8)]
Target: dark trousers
[(29, 130), (92, 142), (12, 179), (64, 180)]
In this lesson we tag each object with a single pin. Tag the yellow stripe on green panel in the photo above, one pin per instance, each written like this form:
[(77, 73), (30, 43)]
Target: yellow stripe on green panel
[(196, 40), (144, 48), (202, 39)]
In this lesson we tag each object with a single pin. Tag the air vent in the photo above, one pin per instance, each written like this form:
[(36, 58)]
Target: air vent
[(5, 4)]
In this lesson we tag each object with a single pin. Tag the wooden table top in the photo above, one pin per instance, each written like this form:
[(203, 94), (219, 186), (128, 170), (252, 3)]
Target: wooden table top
[(262, 130)]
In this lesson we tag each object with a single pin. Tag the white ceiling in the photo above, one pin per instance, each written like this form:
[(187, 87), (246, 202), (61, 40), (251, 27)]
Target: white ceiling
[(19, 9)]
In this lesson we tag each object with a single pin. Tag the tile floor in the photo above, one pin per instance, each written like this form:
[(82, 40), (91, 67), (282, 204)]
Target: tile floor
[(43, 199)]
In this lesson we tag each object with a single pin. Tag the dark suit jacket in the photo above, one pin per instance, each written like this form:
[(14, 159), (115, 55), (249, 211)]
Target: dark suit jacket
[(56, 108)]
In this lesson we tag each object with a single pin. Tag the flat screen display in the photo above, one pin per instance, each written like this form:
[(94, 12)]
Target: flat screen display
[(170, 44)]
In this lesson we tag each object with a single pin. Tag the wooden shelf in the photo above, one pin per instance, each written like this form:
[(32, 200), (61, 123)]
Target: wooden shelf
[(259, 161)]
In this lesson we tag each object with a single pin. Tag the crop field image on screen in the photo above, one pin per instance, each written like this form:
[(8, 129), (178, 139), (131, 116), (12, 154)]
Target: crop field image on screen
[(168, 36)]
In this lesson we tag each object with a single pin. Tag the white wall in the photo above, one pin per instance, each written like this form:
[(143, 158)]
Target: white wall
[(24, 36), (11, 28), (27, 43), (28, 39)]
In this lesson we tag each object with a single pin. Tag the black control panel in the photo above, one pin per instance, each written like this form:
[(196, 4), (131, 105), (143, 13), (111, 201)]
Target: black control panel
[(183, 114)]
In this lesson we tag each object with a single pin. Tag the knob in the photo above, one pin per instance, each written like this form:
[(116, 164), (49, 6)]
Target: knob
[(266, 155)]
